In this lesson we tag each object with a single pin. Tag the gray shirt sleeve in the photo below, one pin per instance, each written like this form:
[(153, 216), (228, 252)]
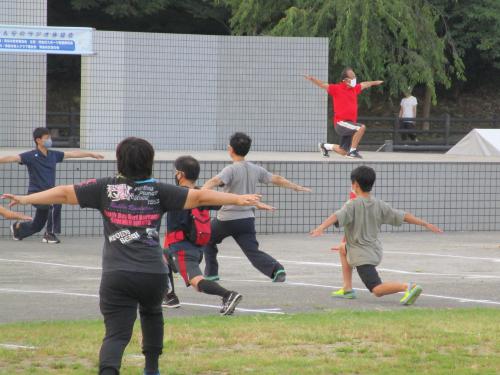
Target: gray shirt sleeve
[(390, 215), (264, 175), (226, 175), (346, 214)]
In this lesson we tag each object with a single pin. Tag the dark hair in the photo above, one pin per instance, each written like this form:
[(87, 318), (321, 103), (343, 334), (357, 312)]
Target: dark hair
[(39, 133), (189, 166), (365, 177), (343, 75), (135, 158), (240, 142)]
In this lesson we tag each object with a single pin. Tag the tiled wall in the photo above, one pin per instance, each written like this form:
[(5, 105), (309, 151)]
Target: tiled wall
[(185, 92)]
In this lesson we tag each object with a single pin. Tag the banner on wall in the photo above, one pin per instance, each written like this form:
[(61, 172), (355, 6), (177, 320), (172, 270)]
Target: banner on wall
[(46, 39)]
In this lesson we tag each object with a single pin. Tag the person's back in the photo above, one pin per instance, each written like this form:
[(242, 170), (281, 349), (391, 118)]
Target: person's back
[(241, 177)]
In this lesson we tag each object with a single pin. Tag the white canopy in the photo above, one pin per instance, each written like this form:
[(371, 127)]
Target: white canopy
[(479, 142)]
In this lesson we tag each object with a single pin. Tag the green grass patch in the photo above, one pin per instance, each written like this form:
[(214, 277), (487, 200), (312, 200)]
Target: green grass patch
[(410, 341)]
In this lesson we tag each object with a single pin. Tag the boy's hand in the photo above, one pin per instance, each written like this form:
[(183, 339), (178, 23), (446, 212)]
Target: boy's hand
[(433, 228), (302, 188), (263, 206), (340, 248), (316, 232)]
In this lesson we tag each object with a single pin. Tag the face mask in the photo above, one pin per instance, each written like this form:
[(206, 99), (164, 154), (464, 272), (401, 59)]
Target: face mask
[(47, 143), (353, 82)]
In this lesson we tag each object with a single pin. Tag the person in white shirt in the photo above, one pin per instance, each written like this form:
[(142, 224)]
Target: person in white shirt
[(407, 112)]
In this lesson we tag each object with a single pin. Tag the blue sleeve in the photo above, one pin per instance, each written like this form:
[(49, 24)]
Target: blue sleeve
[(26, 158), (59, 156)]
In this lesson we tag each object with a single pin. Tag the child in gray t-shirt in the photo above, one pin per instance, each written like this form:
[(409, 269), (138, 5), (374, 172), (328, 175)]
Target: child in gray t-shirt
[(361, 219)]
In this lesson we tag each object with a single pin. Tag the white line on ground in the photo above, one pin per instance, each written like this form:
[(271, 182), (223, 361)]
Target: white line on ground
[(327, 264), (50, 264), (459, 299), (444, 256), (274, 310), (14, 346)]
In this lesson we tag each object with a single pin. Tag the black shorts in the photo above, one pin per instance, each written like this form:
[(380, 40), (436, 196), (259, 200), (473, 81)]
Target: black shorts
[(346, 129), (369, 276), (187, 258)]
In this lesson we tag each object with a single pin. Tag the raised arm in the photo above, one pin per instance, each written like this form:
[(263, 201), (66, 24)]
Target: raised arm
[(82, 154), (317, 82), (284, 183), (410, 219), (10, 159), (63, 194), (11, 215), (318, 231), (212, 183), (368, 84)]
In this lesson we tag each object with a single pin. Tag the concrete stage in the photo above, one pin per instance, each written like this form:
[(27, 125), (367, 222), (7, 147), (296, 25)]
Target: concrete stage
[(459, 193)]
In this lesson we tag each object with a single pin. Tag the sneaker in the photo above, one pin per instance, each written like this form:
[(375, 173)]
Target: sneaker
[(13, 232), (50, 238), (230, 303), (279, 276), (212, 278), (341, 293), (354, 154), (171, 301), (323, 150), (411, 294)]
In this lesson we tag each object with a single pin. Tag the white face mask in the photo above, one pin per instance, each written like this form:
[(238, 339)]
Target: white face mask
[(352, 83)]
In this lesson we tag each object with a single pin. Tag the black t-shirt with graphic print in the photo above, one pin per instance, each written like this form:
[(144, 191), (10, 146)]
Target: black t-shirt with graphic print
[(132, 212)]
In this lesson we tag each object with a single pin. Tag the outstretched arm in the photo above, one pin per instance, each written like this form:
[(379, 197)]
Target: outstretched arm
[(368, 84), (284, 183), (11, 215), (410, 219), (318, 231), (206, 197), (10, 159), (212, 183), (317, 82), (82, 154), (63, 194)]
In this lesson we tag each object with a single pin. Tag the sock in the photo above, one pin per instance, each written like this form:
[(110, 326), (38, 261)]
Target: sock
[(352, 149), (211, 287), (151, 363), (328, 146)]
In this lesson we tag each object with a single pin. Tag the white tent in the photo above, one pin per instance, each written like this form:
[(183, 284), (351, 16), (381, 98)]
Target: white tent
[(479, 142)]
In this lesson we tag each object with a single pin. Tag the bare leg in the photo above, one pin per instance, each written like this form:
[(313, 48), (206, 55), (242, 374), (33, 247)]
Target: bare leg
[(389, 288), (346, 272), (339, 150), (356, 138)]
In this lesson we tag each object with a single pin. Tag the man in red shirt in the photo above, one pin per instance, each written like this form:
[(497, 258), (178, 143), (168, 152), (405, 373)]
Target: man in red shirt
[(345, 103)]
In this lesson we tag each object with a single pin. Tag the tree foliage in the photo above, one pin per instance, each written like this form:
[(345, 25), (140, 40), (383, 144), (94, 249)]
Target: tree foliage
[(393, 40)]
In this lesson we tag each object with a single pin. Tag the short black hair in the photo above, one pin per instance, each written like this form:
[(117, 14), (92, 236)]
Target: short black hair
[(135, 158), (189, 166), (343, 75), (39, 133), (240, 142), (365, 177)]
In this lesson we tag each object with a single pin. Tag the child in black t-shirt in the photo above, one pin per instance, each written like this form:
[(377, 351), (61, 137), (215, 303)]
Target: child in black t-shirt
[(183, 252), (134, 274)]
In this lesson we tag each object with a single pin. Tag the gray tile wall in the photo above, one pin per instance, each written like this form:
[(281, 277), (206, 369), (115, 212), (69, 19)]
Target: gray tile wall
[(22, 78), (186, 92), (455, 196)]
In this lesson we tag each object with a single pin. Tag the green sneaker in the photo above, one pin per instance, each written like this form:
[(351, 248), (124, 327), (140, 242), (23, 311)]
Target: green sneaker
[(341, 293), (411, 294), (279, 276), (212, 278)]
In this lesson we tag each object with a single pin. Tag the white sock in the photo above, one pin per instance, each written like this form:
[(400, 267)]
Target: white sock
[(352, 149), (328, 146)]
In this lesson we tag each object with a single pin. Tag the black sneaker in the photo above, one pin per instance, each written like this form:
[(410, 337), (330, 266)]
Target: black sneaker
[(230, 303), (279, 276), (13, 232), (171, 301), (323, 150), (354, 154), (50, 238)]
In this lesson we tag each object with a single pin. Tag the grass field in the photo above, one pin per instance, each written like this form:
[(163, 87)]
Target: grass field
[(334, 342)]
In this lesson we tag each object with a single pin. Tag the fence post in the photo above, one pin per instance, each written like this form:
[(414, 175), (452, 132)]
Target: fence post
[(395, 131), (446, 129)]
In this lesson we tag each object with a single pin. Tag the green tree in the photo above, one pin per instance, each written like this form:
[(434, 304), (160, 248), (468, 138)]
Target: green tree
[(393, 40)]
